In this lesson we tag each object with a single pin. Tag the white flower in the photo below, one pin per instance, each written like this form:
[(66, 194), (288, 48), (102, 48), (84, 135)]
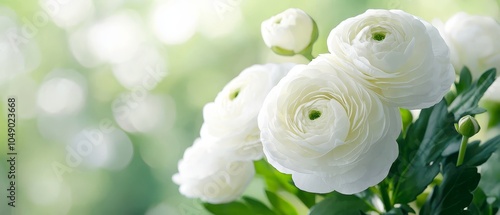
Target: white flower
[(328, 131), (473, 42), (403, 58), (493, 92), (212, 176), (289, 32), (231, 120)]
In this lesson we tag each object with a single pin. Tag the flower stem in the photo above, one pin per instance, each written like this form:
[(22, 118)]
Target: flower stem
[(461, 153), (384, 194)]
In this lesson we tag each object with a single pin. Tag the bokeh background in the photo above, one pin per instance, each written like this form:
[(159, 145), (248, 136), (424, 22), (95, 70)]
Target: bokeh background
[(110, 92)]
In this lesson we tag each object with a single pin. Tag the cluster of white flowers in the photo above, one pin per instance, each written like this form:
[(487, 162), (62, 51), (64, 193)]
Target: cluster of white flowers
[(331, 124), (218, 167)]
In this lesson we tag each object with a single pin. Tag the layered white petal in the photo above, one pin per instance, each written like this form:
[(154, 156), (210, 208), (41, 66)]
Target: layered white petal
[(207, 174), (327, 130), (399, 56), (473, 41), (231, 120)]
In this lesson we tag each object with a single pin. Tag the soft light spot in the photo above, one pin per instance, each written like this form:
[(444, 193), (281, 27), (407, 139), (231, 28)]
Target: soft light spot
[(109, 149), (67, 14), (216, 19), (174, 22), (145, 69), (314, 114), (18, 55), (62, 94), (144, 113), (116, 38)]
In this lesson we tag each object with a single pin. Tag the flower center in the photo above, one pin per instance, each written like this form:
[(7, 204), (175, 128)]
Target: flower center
[(314, 114), (278, 21), (378, 36), (234, 94)]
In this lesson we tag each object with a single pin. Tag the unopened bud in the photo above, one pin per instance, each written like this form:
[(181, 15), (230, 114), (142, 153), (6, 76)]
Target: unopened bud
[(289, 33), (467, 126)]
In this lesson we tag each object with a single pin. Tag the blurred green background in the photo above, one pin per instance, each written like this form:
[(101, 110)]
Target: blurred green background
[(110, 93)]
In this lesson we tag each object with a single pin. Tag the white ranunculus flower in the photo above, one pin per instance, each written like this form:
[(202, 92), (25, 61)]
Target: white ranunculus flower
[(473, 42), (289, 32), (231, 120), (328, 131), (212, 176), (403, 58), (493, 92)]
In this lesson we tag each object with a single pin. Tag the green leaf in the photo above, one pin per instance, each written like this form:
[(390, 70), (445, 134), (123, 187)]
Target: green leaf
[(274, 179), (453, 195), (480, 154), (476, 153), (258, 207), (465, 80), (309, 199), (280, 205), (479, 206), (339, 204), (494, 204), (230, 208), (420, 152), (401, 210), (466, 102), (396, 211)]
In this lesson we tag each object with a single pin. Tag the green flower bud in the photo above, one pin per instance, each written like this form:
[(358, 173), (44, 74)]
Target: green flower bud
[(467, 126)]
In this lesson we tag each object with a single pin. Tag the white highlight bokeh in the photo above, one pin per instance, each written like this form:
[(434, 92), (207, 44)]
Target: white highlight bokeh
[(148, 114), (66, 14), (219, 17), (493, 92), (18, 53), (133, 73), (79, 45), (116, 38), (174, 21), (63, 92), (112, 151)]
